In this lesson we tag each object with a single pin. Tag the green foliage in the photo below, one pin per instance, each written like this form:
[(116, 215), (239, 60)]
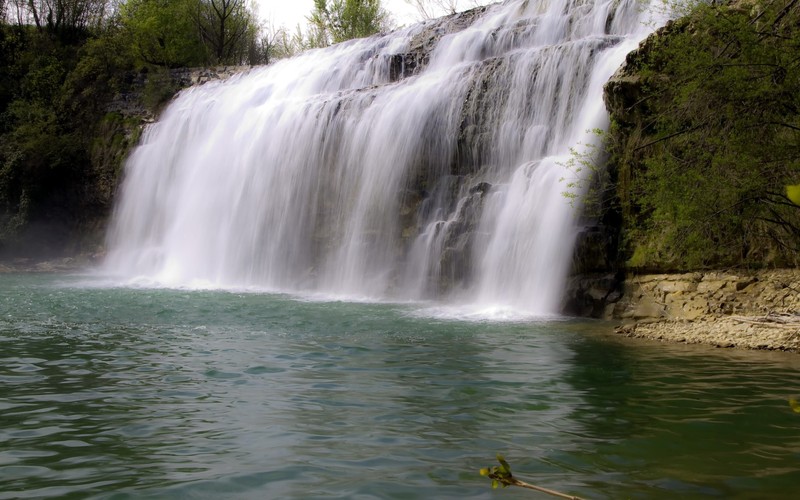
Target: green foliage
[(101, 71), (587, 181), (31, 144), (164, 33), (50, 103), (38, 156), (75, 60), (227, 28), (334, 21), (499, 474), (184, 33), (793, 193), (717, 140), (158, 89)]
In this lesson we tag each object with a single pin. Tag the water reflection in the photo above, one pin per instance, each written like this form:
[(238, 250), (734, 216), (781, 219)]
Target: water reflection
[(672, 419), (214, 394), (425, 404), (65, 418)]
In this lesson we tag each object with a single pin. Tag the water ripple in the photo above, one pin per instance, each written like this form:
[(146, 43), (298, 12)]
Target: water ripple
[(368, 400)]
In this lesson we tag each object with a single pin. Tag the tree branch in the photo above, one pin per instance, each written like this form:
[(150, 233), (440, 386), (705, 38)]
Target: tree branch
[(670, 136)]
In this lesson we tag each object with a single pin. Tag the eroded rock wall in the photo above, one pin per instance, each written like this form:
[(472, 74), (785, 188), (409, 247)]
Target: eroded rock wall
[(738, 308), (685, 296), (714, 293)]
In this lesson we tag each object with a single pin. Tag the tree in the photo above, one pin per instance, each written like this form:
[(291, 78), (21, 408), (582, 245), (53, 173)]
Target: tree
[(334, 21), (228, 29), (15, 10), (429, 9), (163, 32), (176, 33), (65, 17), (711, 140), (272, 43)]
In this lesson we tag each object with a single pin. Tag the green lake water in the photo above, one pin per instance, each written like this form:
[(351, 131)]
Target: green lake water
[(144, 393)]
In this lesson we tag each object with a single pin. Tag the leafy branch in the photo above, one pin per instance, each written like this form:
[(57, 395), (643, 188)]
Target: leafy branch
[(588, 181), (501, 476)]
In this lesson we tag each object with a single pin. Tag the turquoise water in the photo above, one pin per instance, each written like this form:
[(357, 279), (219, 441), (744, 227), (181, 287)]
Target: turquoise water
[(131, 393)]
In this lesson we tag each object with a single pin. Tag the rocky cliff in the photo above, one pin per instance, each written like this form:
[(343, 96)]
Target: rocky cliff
[(704, 139), (67, 225)]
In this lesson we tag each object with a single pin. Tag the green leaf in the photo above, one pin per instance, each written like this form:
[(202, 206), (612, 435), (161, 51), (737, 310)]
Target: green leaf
[(793, 193), (503, 463)]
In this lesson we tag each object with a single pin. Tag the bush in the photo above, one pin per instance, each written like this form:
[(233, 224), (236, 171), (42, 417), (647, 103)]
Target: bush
[(716, 140)]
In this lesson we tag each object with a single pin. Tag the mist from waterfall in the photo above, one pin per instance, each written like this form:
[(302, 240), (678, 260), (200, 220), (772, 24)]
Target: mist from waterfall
[(355, 171)]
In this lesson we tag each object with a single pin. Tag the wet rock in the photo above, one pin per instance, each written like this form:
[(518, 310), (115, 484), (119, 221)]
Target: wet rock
[(481, 188), (592, 295)]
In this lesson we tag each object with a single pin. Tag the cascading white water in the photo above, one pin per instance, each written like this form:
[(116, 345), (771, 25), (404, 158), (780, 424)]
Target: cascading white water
[(343, 172)]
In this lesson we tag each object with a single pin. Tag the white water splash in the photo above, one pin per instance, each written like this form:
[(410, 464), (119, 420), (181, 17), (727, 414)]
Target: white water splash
[(326, 174)]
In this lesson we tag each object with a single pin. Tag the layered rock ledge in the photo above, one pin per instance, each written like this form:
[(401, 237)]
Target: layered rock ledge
[(736, 308), (768, 332)]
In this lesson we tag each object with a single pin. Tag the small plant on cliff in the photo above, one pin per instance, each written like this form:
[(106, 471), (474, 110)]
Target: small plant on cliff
[(334, 21), (587, 183)]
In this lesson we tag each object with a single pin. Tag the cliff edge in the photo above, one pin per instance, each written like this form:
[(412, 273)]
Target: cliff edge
[(704, 140)]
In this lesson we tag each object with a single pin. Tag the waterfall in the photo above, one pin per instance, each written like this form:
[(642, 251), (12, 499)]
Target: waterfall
[(425, 163)]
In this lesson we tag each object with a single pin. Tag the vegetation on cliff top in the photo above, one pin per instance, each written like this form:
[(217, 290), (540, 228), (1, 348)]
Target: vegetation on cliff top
[(63, 64), (706, 137)]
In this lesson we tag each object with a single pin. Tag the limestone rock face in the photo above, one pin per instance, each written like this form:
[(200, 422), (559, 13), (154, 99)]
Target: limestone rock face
[(690, 296), (418, 56), (624, 91), (697, 302), (131, 103), (772, 332)]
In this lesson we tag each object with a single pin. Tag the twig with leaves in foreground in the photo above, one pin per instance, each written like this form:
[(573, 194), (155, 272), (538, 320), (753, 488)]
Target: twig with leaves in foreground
[(501, 476)]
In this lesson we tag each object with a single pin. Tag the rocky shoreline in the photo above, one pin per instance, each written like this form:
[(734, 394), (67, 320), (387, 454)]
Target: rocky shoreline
[(741, 308), (774, 333)]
